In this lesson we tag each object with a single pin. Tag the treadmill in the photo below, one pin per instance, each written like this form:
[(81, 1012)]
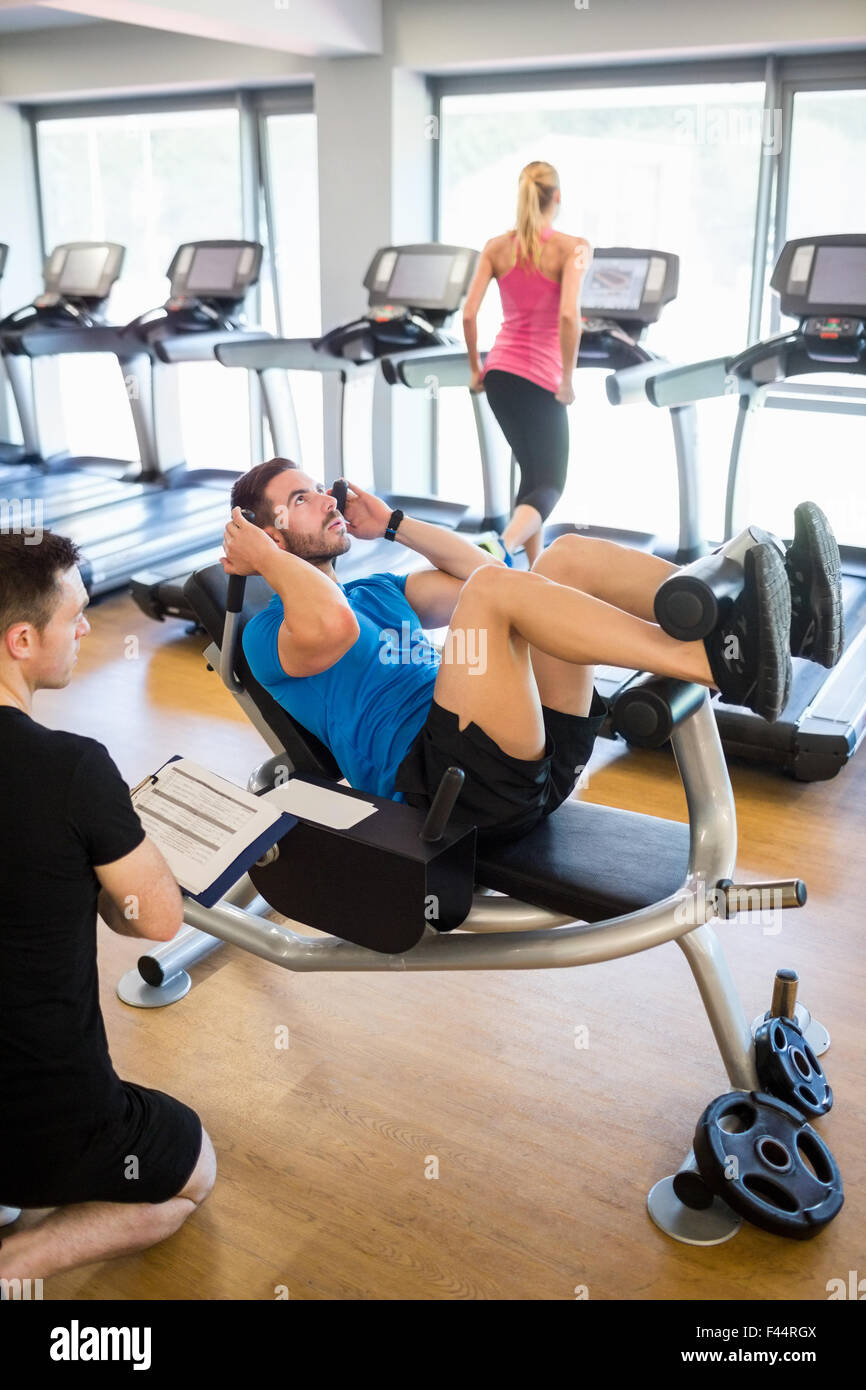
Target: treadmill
[(183, 510), (68, 317), (412, 293), (624, 292), (209, 281), (821, 281)]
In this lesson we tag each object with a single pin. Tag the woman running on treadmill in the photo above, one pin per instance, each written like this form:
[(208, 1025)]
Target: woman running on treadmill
[(529, 369)]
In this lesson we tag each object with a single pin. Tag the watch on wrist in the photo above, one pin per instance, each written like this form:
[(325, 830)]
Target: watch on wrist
[(393, 522)]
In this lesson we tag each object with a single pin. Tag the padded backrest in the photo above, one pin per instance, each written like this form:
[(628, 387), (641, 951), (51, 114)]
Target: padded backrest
[(206, 590), (590, 861)]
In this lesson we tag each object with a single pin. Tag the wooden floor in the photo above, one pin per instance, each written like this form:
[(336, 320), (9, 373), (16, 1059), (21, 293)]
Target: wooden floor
[(545, 1152)]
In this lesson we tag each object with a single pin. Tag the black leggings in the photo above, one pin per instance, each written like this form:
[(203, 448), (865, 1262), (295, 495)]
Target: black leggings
[(535, 424)]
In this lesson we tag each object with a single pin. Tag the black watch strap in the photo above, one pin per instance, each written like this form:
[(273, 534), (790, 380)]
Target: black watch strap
[(393, 522)]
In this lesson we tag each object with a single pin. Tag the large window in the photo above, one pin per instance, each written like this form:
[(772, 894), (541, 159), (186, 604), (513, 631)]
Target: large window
[(826, 187), (811, 446), (671, 167), (149, 181), (291, 300)]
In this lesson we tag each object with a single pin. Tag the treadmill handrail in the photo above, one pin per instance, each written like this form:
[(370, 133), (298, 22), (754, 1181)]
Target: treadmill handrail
[(607, 348), (18, 316), (54, 342), (448, 363), (64, 313), (201, 345), (724, 376), (700, 381), (744, 363), (628, 385), (291, 354)]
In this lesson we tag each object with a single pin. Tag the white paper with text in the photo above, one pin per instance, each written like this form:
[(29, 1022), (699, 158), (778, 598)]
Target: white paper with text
[(201, 822)]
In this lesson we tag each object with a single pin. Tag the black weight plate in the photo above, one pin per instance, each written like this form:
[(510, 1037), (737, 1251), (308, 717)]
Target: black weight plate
[(789, 1069), (783, 1177)]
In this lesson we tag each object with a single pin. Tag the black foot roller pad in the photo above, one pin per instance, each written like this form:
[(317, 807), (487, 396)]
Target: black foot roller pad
[(762, 1158)]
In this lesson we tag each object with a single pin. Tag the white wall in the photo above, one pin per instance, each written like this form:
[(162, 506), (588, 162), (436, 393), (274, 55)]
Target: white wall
[(446, 35), (18, 228), (330, 28), (104, 60), (375, 187), (18, 224)]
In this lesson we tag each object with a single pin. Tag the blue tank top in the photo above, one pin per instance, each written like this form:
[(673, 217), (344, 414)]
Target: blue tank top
[(367, 707)]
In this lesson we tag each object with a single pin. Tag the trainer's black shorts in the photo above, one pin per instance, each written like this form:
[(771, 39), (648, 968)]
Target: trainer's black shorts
[(504, 797), (146, 1153)]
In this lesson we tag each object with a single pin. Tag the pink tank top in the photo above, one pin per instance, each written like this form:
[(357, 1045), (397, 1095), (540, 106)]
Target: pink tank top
[(527, 344)]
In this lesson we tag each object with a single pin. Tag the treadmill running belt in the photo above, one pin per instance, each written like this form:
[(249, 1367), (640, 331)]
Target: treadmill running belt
[(64, 494), (147, 530)]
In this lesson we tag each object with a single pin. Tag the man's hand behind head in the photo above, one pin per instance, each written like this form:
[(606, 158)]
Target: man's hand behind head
[(247, 547)]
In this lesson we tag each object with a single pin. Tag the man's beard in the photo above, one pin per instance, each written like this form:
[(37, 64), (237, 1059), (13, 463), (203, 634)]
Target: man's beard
[(318, 550)]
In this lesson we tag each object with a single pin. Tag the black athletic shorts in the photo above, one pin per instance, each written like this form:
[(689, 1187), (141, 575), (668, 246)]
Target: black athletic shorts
[(162, 1135), (504, 797)]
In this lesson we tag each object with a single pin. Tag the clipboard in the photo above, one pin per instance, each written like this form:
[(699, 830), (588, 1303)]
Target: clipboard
[(251, 852)]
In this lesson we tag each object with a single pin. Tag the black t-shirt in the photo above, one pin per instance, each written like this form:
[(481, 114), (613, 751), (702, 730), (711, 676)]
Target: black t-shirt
[(63, 808)]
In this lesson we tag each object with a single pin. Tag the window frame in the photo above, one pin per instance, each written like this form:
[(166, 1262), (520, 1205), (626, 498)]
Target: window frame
[(252, 105), (783, 76)]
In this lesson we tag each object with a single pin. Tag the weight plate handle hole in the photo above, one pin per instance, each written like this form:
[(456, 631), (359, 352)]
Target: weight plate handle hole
[(771, 1193), (737, 1120), (774, 1153), (813, 1156)]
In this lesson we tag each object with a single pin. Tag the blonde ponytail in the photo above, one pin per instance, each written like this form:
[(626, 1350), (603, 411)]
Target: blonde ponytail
[(538, 183)]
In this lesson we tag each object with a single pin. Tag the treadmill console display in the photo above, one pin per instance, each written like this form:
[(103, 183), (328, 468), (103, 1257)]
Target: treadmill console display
[(627, 284), (612, 284), (417, 279), (83, 269), (822, 275), (222, 270), (839, 274), (431, 276)]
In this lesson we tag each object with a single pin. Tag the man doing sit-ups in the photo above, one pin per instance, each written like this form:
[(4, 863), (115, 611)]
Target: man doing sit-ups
[(521, 722)]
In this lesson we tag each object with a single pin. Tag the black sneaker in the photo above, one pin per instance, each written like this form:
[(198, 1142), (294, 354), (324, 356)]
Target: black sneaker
[(815, 576), (749, 652)]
